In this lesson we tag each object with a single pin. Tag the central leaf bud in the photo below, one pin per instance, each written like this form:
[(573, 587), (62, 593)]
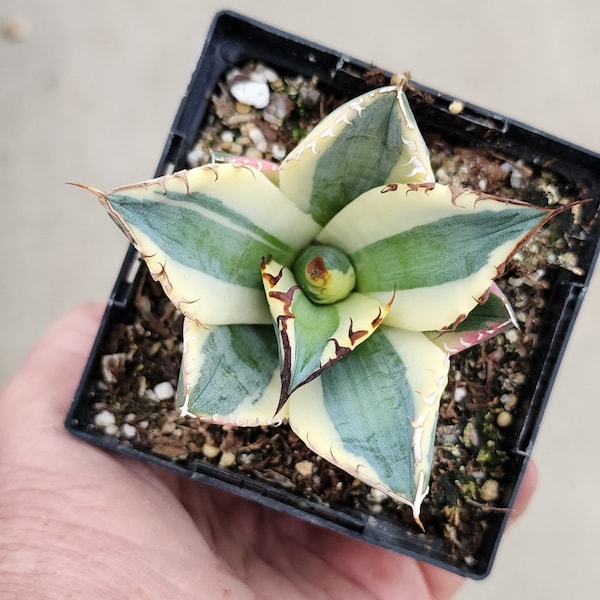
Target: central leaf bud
[(324, 273)]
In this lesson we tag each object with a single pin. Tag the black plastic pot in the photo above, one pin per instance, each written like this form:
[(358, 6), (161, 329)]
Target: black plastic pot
[(234, 40)]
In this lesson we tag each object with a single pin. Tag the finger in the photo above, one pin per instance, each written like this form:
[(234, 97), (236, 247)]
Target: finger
[(48, 378), (526, 491)]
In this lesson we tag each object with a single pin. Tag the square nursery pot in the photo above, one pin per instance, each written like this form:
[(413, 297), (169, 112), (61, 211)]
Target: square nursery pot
[(493, 405)]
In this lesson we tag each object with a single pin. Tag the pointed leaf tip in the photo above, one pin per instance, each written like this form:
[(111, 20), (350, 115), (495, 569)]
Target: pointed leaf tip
[(203, 232), (366, 142), (439, 247), (374, 415), (492, 315), (89, 188)]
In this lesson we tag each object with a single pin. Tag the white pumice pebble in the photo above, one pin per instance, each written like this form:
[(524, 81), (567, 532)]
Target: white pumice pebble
[(252, 93), (227, 459), (227, 136), (164, 390), (128, 431), (111, 430), (304, 467), (104, 419), (196, 157)]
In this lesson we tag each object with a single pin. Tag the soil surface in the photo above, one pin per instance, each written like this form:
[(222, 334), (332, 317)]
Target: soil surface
[(483, 410)]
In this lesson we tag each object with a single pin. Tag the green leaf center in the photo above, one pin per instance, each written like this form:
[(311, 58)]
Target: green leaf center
[(325, 274)]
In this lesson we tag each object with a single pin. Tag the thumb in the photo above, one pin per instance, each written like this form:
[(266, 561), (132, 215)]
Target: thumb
[(47, 380)]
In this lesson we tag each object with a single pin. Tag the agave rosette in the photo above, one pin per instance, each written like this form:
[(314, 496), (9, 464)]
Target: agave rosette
[(331, 291)]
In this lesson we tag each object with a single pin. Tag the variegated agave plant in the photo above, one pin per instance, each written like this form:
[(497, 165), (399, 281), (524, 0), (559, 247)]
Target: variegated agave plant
[(330, 291)]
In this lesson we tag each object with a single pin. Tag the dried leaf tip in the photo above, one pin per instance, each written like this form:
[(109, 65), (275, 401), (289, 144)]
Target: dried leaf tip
[(100, 194)]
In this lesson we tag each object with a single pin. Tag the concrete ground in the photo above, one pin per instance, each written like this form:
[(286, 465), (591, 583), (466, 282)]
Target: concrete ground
[(88, 91)]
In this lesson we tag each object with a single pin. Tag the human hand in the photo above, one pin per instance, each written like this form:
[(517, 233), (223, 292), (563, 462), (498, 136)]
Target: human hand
[(77, 521)]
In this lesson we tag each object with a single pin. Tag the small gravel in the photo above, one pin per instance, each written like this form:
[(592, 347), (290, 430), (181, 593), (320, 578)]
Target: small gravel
[(164, 391), (104, 419)]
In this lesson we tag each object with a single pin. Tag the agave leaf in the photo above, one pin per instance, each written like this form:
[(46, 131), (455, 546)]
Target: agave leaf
[(203, 233), (374, 414), (229, 374), (368, 141), (313, 338), (493, 315), (439, 248)]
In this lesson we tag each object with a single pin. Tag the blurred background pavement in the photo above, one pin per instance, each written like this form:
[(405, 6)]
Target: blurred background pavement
[(88, 92)]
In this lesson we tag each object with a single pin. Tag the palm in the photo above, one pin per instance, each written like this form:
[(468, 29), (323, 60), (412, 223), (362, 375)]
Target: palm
[(78, 520)]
